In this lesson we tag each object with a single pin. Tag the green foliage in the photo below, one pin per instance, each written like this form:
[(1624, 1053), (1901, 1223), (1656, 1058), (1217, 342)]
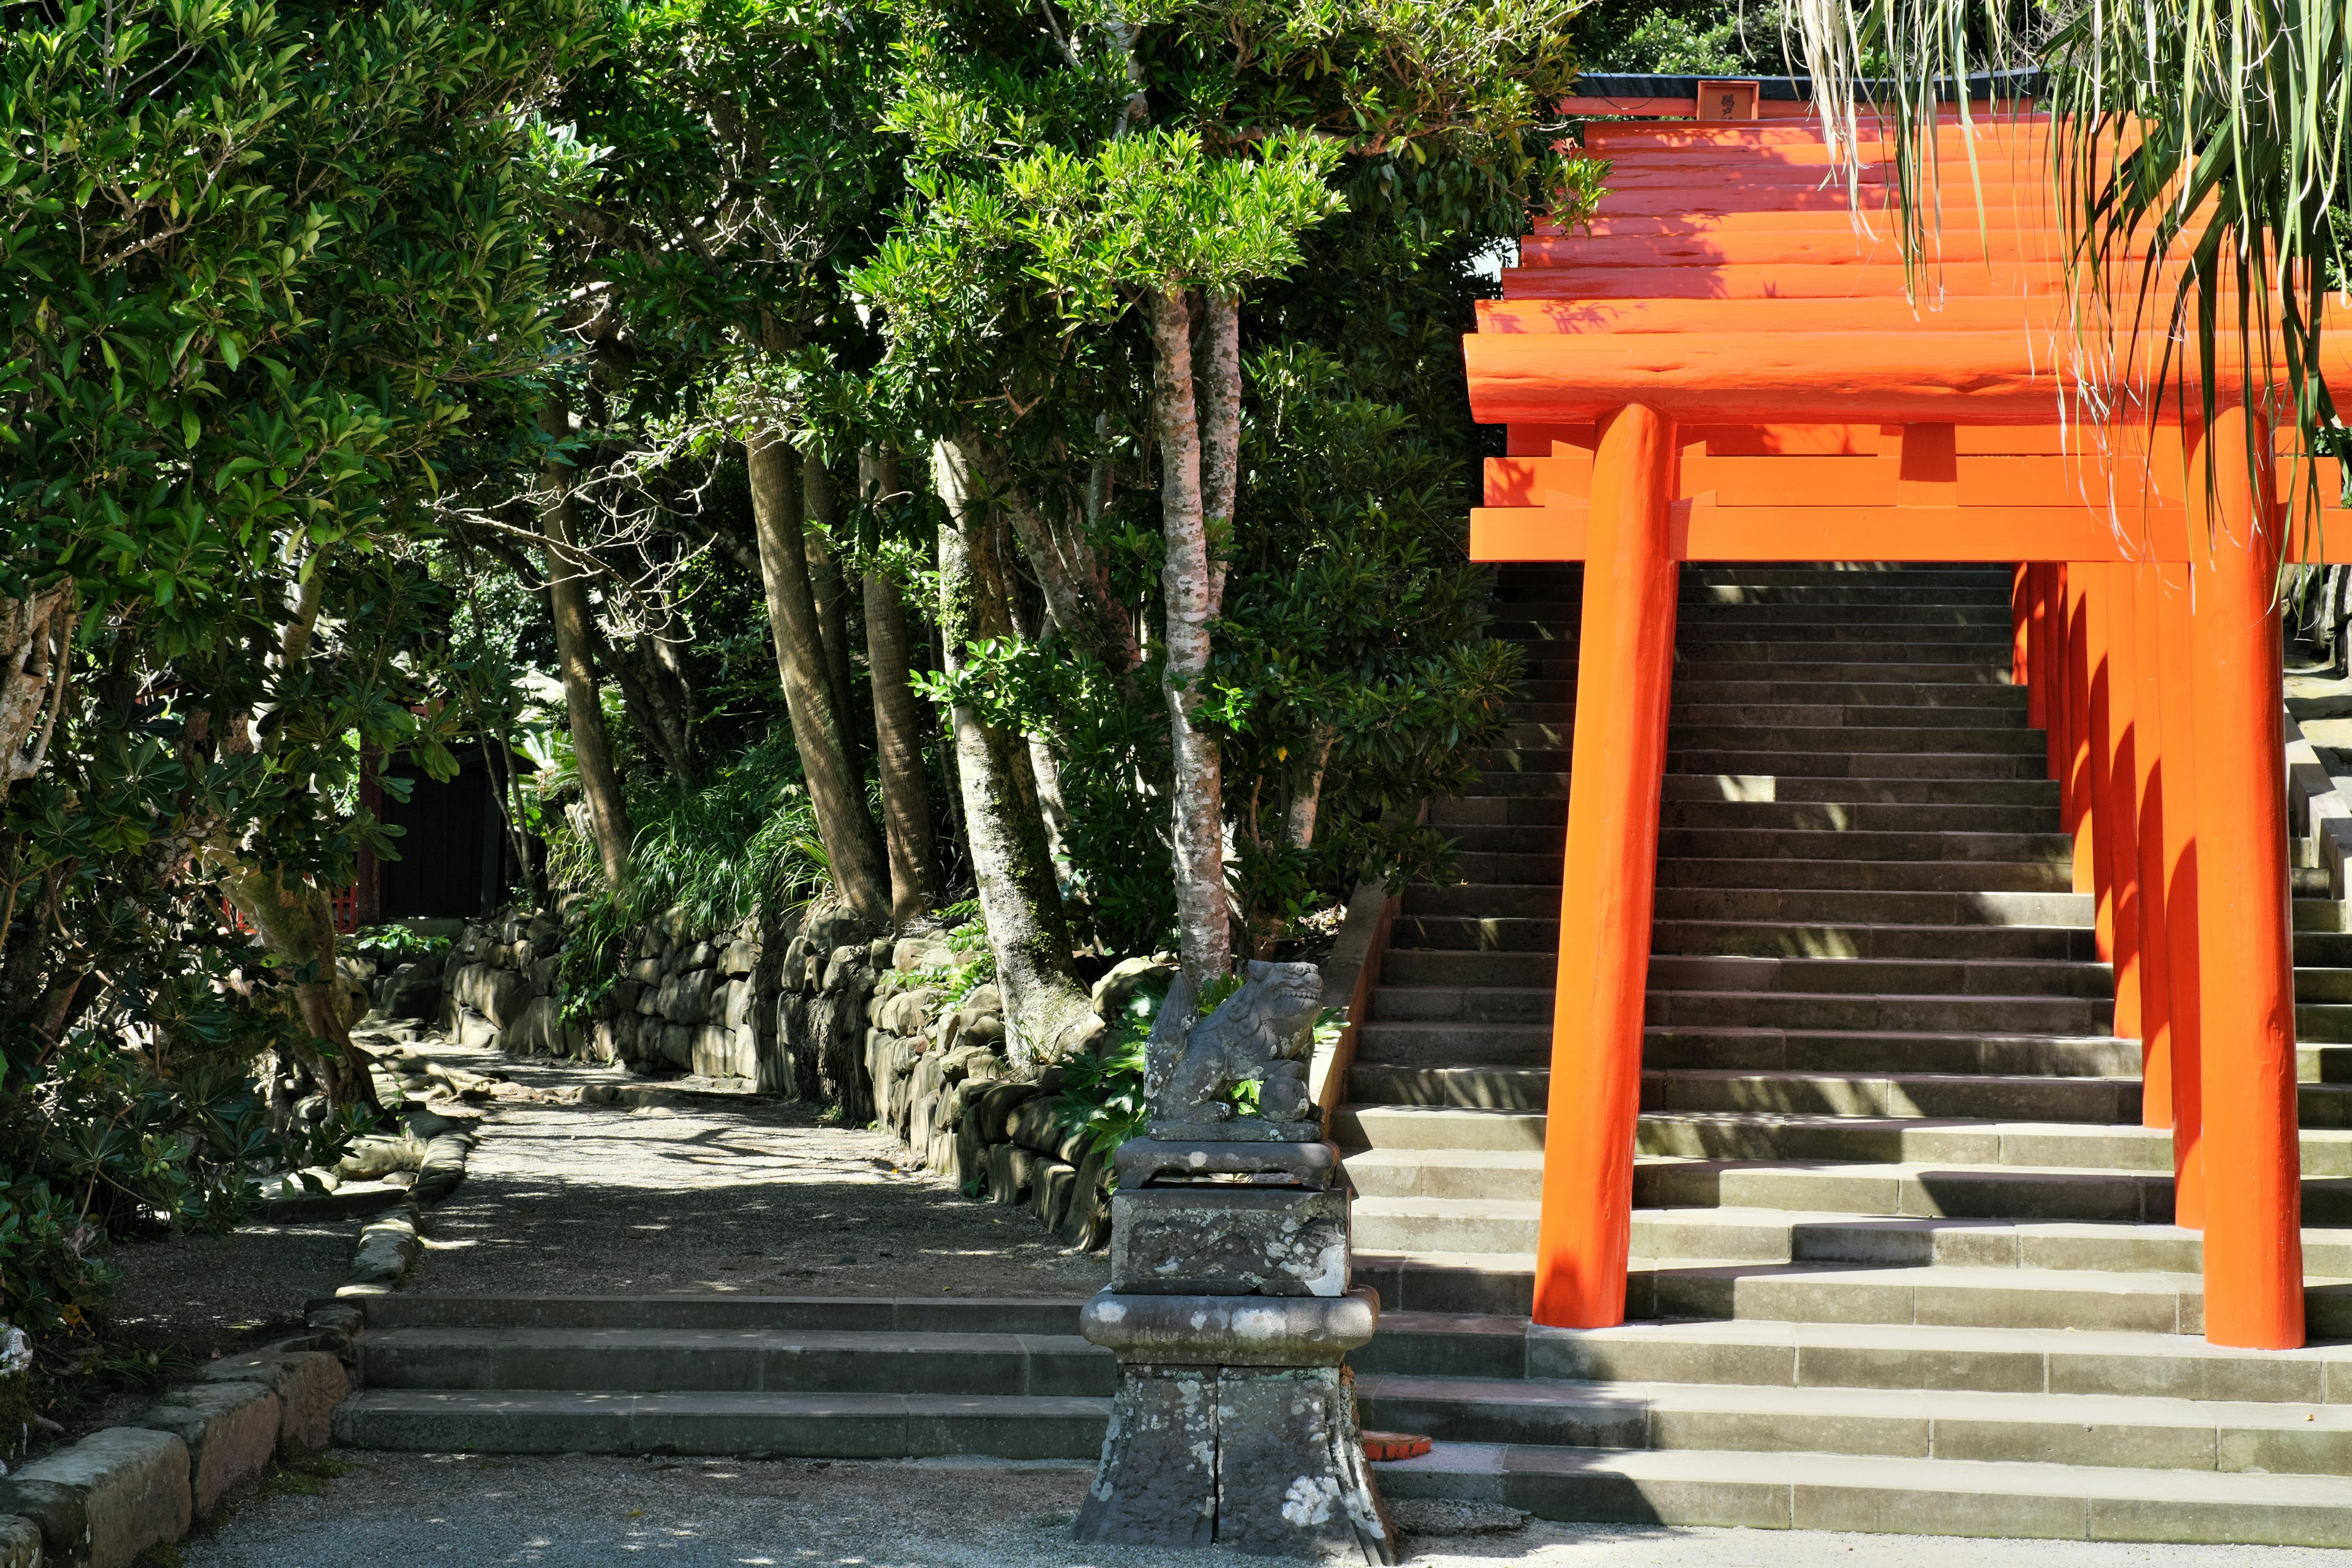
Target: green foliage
[(742, 841), (974, 964), (398, 943), (1102, 1089)]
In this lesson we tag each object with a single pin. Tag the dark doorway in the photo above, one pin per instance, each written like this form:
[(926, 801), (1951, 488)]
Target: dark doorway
[(455, 857)]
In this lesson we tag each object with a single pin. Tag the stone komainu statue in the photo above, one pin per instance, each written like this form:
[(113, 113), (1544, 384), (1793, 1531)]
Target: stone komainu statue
[(1262, 1032)]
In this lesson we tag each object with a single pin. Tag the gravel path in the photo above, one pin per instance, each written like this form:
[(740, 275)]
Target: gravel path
[(581, 1512), (702, 1196)]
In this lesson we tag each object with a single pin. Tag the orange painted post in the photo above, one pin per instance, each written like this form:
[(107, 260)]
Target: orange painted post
[(1608, 880), (2054, 710), (2086, 747), (2037, 644), (2156, 938), (2115, 690), (2177, 780), (2020, 630), (2253, 1240)]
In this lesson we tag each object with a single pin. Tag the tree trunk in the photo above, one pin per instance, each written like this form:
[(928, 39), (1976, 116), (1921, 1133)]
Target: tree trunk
[(1070, 570), (575, 641), (1048, 1010), (830, 592), (1221, 431), (36, 649), (897, 726), (1203, 926), (297, 920), (1298, 829), (852, 855)]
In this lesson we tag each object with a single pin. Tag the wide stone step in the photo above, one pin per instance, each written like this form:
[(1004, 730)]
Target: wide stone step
[(764, 1361), (1755, 689), (1826, 941), (1508, 806), (825, 1425), (2100, 1100), (1968, 1425), (1982, 670), (1961, 1144), (1793, 875), (1731, 735), (1767, 842), (863, 1315), (1825, 817), (1940, 1095), (1693, 710), (2099, 1055), (1898, 1496), (1731, 757), (1766, 1353), (1848, 1011)]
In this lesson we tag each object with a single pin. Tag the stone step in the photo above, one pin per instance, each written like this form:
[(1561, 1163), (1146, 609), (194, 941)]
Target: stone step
[(1823, 941), (1865, 1012), (1893, 1496), (1710, 664), (1892, 1190), (825, 1425), (1961, 1144), (1766, 1354), (863, 1314), (1944, 1095), (2135, 1300), (1756, 688), (1910, 906), (743, 1360), (1441, 1045), (1957, 1425), (1696, 626), (1985, 1095), (1942, 615), (1820, 945)]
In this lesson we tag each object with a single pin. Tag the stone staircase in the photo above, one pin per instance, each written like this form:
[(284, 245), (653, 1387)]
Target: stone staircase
[(1902, 1259), (1889, 1145)]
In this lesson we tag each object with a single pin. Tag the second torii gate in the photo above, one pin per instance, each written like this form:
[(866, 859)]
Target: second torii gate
[(1721, 370)]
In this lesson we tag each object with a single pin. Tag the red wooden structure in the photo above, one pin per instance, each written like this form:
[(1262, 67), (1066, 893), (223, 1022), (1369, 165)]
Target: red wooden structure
[(1724, 368)]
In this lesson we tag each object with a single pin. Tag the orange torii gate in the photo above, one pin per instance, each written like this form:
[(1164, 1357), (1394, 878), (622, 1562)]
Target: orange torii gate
[(1723, 369)]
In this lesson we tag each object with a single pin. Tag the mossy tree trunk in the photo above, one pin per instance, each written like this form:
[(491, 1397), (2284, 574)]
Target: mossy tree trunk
[(897, 722), (575, 645), (1049, 1012), (851, 853)]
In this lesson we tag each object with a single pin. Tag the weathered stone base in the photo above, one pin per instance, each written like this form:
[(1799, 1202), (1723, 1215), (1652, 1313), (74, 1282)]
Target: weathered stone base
[(1265, 1460)]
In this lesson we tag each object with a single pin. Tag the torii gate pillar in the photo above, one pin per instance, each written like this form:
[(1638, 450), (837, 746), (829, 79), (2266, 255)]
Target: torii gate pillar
[(2253, 1186), (1609, 883)]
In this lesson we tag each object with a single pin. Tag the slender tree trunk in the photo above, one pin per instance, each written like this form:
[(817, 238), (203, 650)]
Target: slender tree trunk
[(1298, 828), (297, 921), (1070, 572), (898, 727), (1221, 431), (1019, 903), (1204, 925), (854, 860), (35, 652), (575, 642), (830, 591)]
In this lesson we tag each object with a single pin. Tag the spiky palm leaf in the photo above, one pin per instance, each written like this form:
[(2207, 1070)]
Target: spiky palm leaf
[(2208, 132)]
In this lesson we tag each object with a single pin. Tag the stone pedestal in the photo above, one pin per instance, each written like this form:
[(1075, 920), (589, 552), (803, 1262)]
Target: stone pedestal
[(1230, 1310)]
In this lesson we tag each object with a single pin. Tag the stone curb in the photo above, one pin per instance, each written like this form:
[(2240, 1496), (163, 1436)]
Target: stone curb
[(106, 1500), (447, 1144), (388, 1252)]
